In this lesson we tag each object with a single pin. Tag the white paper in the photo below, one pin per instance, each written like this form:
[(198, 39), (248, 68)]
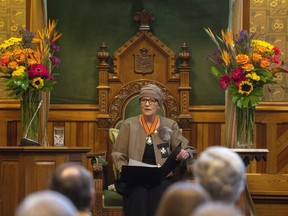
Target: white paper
[(139, 163)]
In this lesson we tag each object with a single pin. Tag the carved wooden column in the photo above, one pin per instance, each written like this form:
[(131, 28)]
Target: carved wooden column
[(103, 118), (103, 87), (184, 88)]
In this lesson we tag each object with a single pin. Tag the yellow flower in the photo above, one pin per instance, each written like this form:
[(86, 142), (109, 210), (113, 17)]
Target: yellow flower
[(262, 46), (253, 76), (38, 83), (245, 87), (228, 38), (13, 41), (19, 71), (226, 57)]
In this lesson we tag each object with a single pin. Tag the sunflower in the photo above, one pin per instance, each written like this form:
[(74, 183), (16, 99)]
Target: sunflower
[(38, 83), (245, 87)]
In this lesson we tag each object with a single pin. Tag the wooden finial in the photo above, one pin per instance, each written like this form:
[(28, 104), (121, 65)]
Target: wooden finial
[(103, 55), (144, 17)]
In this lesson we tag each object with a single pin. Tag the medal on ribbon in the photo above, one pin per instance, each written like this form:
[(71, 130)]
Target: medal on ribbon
[(150, 130)]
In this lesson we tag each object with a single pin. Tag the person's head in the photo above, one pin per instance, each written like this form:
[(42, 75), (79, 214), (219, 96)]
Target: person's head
[(221, 172), (150, 99), (45, 203), (217, 208), (75, 182), (181, 198)]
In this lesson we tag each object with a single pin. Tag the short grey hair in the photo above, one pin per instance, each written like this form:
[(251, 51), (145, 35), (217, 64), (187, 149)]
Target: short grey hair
[(221, 172), (45, 203), (217, 208)]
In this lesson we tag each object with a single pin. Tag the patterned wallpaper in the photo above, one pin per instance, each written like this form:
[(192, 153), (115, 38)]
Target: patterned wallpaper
[(12, 16), (269, 19)]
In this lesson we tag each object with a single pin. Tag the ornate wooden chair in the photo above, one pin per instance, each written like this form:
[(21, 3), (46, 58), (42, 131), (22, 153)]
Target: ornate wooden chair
[(143, 59)]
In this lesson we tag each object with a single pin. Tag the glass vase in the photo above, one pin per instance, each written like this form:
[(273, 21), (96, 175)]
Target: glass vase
[(30, 117), (245, 120)]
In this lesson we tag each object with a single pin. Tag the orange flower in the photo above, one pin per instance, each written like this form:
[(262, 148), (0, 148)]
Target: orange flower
[(248, 67), (5, 58), (33, 57), (264, 63), (13, 65), (256, 57), (242, 59), (19, 55)]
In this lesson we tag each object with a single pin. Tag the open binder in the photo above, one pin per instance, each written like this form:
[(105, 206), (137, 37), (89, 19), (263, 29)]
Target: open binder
[(149, 175)]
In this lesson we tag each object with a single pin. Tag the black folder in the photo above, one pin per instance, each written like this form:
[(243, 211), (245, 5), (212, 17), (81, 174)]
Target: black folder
[(141, 175)]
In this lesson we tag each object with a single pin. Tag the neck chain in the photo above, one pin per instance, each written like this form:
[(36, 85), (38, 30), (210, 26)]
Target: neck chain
[(150, 130)]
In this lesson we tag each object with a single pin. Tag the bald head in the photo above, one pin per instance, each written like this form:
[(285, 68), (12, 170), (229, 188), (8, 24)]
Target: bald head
[(76, 183)]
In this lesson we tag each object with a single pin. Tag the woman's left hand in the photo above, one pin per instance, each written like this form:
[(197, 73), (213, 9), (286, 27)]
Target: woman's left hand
[(183, 155)]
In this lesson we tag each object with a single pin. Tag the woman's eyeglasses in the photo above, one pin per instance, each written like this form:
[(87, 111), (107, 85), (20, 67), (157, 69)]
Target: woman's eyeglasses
[(143, 101)]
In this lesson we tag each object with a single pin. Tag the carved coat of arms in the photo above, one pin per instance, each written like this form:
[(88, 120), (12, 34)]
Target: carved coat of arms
[(144, 62)]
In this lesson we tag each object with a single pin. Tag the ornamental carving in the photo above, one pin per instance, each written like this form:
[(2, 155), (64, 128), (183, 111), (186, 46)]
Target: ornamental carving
[(144, 62)]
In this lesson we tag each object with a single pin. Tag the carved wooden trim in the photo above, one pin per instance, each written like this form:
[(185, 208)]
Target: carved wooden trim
[(154, 42)]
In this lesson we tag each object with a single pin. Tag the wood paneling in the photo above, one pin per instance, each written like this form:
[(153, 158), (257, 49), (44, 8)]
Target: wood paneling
[(267, 180), (24, 170)]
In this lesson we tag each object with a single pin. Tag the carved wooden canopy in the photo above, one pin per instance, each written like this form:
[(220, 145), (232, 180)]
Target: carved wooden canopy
[(141, 60)]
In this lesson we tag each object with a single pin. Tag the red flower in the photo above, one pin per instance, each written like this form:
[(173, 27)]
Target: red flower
[(239, 80), (276, 50), (38, 70), (276, 59), (225, 81), (237, 73)]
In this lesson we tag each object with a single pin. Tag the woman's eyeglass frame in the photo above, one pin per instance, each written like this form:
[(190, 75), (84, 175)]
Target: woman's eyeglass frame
[(143, 101)]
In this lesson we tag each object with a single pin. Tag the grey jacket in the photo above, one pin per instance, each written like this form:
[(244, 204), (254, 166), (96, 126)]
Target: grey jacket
[(130, 142)]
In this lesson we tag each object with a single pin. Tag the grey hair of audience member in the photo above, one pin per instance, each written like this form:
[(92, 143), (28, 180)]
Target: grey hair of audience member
[(217, 208), (75, 182), (46, 203), (181, 198), (221, 172)]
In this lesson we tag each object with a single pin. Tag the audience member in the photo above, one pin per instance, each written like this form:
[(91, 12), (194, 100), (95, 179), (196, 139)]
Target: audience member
[(75, 182), (181, 199), (217, 208), (221, 172), (46, 203)]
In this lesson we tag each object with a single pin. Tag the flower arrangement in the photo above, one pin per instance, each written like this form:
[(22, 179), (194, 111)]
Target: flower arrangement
[(243, 65), (27, 64), (27, 61)]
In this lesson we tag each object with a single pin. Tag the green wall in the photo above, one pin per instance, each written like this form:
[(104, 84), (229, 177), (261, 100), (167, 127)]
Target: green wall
[(86, 24)]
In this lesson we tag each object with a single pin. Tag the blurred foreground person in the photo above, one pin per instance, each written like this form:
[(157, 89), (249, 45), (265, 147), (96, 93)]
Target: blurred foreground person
[(75, 182), (221, 172), (46, 203), (180, 199), (217, 209)]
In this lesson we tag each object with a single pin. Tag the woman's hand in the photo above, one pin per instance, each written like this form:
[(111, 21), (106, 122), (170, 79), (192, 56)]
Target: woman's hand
[(183, 155)]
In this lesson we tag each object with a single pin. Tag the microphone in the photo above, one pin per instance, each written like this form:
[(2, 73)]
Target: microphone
[(26, 141)]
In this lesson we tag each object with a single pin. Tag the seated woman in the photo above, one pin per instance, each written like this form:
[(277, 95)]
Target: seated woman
[(148, 138)]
